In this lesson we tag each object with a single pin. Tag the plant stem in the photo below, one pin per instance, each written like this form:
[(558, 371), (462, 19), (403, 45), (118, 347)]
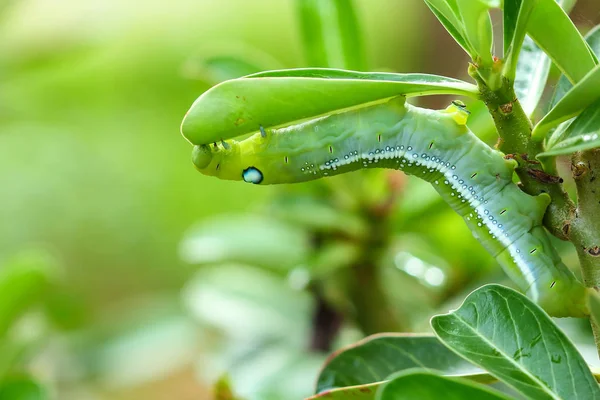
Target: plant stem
[(579, 225), (585, 232), (514, 128)]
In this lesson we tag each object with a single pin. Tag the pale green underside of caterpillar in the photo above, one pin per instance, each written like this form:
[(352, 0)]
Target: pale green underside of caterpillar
[(436, 146)]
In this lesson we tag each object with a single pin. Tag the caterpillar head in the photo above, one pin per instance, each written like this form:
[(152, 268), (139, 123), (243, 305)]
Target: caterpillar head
[(228, 160), (259, 159)]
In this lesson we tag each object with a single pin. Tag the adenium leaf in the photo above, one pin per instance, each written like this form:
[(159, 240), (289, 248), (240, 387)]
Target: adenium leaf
[(531, 76), (477, 25), (581, 96), (276, 98), (505, 333), (360, 392), (533, 68), (425, 385), (516, 18), (564, 85), (448, 15), (581, 134), (554, 32), (373, 359), (510, 16)]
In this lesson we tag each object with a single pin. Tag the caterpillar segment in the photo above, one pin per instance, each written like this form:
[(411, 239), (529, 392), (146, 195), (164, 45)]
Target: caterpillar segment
[(474, 179)]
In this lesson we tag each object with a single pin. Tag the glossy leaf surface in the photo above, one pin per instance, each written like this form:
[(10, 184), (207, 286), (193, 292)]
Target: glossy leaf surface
[(450, 19), (564, 85), (423, 385), (581, 96), (582, 134), (505, 333), (377, 357), (276, 98), (553, 31)]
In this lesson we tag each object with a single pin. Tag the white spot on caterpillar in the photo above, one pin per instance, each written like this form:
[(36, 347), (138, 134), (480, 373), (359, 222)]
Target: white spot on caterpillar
[(252, 175)]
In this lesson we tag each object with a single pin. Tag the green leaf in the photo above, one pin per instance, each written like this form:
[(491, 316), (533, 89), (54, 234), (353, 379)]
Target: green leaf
[(276, 98), (424, 385), (505, 333), (331, 34), (554, 32), (516, 22), (23, 282), (581, 96), (247, 239), (510, 16), (478, 28), (581, 134), (531, 75), (451, 21), (377, 357), (361, 392), (564, 85), (533, 69)]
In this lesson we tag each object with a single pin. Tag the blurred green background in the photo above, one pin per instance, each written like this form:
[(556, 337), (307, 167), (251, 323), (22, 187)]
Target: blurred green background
[(95, 175)]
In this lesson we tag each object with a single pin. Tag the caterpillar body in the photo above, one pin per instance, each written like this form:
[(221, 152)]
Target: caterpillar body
[(474, 179)]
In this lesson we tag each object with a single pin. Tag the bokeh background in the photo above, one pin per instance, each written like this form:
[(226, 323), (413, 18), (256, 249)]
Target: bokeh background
[(164, 279)]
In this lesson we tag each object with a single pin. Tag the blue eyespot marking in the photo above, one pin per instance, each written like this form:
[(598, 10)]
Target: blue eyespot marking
[(252, 175)]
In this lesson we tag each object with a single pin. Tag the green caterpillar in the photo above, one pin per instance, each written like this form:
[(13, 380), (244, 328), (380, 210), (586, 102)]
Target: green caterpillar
[(434, 145)]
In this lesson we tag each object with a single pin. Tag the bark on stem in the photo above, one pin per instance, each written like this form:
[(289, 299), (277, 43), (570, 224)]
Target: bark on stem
[(581, 225)]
